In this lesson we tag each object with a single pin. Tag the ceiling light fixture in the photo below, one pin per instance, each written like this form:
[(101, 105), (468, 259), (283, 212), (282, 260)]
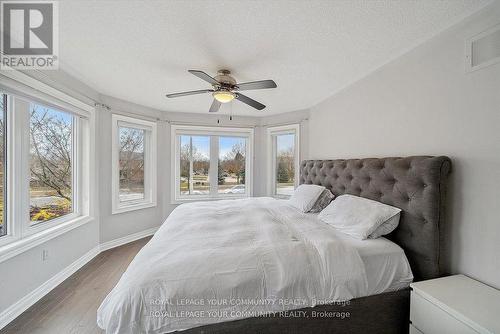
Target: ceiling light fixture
[(224, 96)]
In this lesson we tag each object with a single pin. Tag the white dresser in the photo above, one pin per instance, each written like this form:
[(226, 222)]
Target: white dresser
[(454, 304)]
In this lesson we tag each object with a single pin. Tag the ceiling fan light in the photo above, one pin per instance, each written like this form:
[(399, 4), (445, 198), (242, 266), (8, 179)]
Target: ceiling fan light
[(224, 96)]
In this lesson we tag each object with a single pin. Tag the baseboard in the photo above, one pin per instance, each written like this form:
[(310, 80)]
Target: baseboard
[(126, 239), (27, 301)]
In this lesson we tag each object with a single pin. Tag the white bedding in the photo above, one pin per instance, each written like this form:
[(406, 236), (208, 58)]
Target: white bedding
[(386, 266), (220, 261)]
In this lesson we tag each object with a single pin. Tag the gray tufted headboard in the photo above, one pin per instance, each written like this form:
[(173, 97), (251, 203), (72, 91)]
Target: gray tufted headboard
[(417, 185)]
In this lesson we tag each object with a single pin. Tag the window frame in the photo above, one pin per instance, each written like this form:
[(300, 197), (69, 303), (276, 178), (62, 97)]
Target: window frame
[(214, 133), (150, 163), (272, 132), (21, 235), (30, 227), (5, 175)]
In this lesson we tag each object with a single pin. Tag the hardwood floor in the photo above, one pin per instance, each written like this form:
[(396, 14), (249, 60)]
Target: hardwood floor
[(71, 307)]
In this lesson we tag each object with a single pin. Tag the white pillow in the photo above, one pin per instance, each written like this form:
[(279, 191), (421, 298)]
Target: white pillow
[(386, 228), (304, 197), (356, 216)]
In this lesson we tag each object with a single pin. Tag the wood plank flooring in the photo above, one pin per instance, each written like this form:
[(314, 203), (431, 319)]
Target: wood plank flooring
[(71, 307)]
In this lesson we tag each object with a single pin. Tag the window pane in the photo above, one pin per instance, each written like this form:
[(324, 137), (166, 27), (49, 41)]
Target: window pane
[(131, 156), (285, 164), (231, 171), (194, 165), (3, 169), (50, 163)]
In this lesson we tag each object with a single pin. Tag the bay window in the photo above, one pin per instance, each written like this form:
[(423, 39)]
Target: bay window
[(211, 163)]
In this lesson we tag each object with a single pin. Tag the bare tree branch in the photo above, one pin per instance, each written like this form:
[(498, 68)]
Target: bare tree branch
[(50, 139)]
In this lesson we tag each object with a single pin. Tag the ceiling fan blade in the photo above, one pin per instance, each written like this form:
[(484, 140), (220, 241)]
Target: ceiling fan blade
[(215, 106), (249, 101), (263, 84), (193, 92), (203, 76)]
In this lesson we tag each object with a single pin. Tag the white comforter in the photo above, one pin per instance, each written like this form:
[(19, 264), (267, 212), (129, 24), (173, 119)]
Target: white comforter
[(220, 261)]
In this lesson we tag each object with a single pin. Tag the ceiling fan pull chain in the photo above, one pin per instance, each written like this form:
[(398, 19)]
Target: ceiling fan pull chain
[(231, 112)]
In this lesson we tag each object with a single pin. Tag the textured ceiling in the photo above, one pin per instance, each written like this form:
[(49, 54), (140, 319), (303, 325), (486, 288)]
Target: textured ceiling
[(140, 50)]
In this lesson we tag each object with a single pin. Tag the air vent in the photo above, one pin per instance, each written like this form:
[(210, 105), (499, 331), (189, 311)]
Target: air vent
[(483, 49)]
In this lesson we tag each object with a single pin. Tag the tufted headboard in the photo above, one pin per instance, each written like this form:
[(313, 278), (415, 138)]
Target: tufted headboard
[(417, 185)]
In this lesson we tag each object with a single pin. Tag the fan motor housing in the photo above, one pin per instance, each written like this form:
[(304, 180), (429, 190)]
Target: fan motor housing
[(226, 80)]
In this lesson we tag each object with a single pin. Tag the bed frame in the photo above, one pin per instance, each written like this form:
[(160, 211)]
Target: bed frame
[(417, 185)]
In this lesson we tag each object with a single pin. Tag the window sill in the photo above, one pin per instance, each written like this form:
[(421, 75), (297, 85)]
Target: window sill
[(22, 245), (132, 207), (204, 199)]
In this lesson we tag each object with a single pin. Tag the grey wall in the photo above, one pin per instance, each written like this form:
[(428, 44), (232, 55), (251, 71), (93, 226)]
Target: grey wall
[(25, 272), (425, 103)]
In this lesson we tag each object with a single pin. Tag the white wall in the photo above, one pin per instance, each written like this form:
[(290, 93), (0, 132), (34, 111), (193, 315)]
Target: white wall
[(425, 103)]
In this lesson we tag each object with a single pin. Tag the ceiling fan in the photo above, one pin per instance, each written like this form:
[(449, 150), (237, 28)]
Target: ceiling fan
[(225, 89)]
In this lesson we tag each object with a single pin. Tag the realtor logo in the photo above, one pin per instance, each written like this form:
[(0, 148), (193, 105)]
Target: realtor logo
[(29, 35)]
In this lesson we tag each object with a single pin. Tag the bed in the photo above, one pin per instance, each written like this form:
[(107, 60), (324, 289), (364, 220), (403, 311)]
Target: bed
[(248, 251)]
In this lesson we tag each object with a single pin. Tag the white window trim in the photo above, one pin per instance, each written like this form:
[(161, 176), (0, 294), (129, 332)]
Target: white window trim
[(13, 230), (30, 227), (18, 238), (271, 154), (18, 194), (23, 85), (176, 130), (150, 164)]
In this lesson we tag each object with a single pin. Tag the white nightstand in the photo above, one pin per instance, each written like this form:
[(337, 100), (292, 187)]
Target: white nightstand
[(454, 304)]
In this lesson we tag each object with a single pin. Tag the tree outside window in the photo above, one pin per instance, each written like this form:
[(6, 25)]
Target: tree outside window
[(232, 165), (51, 167), (131, 164)]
